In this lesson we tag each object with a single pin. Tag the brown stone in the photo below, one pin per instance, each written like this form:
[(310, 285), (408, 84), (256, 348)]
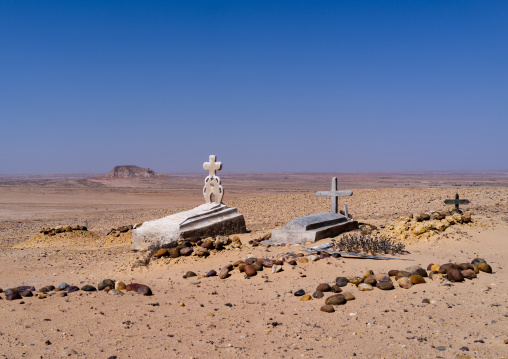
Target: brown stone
[(224, 273), (237, 263), (382, 277), (335, 288), (469, 274), (250, 270), (174, 252), (305, 298), (349, 296), (303, 260), (393, 272), (355, 280), (370, 280), (336, 299), (186, 251), (417, 279), (454, 275), (385, 285), (444, 268), (268, 263), (404, 273), (241, 267), (341, 281), (327, 308), (144, 290), (208, 244), (405, 282), (161, 253), (464, 266), (324, 287), (484, 267), (250, 261), (134, 287)]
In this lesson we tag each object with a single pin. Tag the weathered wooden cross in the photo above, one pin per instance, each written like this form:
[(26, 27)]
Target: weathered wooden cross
[(456, 202), (334, 194)]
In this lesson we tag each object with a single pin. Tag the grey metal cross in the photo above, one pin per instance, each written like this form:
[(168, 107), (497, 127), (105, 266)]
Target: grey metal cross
[(334, 194)]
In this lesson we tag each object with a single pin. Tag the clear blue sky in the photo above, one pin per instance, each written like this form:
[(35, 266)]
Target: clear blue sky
[(265, 85)]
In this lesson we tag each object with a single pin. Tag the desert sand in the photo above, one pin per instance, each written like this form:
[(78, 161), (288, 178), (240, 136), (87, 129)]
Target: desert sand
[(260, 315)]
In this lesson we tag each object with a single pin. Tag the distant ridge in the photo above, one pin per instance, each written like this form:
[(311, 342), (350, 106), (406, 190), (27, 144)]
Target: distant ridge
[(131, 171)]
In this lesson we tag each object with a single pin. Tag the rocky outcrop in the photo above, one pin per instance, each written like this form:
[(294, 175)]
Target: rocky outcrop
[(131, 171)]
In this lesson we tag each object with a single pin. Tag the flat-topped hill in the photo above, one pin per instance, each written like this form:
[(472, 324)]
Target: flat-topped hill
[(131, 171)]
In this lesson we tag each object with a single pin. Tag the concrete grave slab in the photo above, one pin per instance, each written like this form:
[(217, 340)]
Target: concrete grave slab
[(210, 219), (316, 226)]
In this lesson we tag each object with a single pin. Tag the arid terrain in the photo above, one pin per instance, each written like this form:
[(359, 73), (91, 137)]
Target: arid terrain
[(255, 316)]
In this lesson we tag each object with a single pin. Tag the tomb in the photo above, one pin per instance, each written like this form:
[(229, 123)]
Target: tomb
[(317, 226), (210, 219)]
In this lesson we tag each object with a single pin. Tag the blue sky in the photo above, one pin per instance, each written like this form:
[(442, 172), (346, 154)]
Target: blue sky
[(265, 85)]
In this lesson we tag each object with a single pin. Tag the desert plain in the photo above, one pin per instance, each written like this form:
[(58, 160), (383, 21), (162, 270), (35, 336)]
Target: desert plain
[(239, 316)]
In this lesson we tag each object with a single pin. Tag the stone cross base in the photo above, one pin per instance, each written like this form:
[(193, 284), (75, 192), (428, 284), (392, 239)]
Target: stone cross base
[(206, 220), (312, 228)]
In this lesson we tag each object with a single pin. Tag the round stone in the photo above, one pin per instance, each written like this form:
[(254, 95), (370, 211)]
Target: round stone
[(405, 283), (370, 280), (469, 274), (190, 274), (454, 275), (382, 277), (435, 267), (13, 296), (120, 285), (336, 299), (299, 293), (305, 298), (145, 290), (327, 308), (11, 291), (317, 294), (484, 267), (62, 294), (303, 260), (211, 273), (349, 296), (464, 266), (174, 252), (72, 288), (385, 285), (477, 261), (365, 287), (445, 267), (208, 244), (355, 280), (393, 272), (88, 288), (241, 267), (323, 287), (186, 251), (224, 273), (161, 253), (258, 266), (268, 263), (26, 293), (341, 281), (63, 286), (115, 292), (417, 279), (106, 283), (250, 270), (335, 289)]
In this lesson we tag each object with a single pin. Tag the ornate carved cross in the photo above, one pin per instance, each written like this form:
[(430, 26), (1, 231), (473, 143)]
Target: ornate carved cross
[(212, 181)]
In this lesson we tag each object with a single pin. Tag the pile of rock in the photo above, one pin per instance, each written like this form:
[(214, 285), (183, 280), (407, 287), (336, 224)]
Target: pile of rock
[(454, 272), (108, 285), (425, 225), (61, 229), (115, 232), (198, 246)]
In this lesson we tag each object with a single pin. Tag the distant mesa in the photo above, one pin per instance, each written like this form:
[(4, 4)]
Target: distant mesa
[(131, 171)]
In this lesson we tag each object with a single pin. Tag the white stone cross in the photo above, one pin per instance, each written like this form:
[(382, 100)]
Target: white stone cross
[(213, 191), (212, 166), (334, 194)]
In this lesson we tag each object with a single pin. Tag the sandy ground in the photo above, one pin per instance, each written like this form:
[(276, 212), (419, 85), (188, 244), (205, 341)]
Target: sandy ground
[(240, 317)]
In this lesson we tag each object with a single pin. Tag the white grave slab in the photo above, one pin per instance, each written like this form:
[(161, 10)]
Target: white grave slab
[(210, 219)]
